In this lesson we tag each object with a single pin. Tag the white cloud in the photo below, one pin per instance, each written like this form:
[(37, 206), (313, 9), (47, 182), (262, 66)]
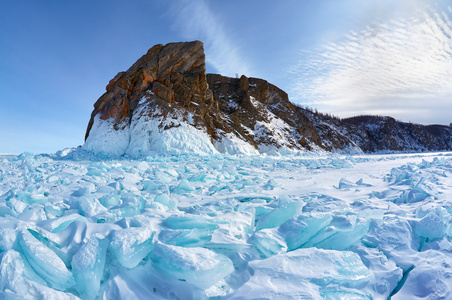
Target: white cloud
[(386, 68), (195, 20)]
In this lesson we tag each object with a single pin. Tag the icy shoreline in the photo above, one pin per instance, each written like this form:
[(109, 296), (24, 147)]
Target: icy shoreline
[(318, 227)]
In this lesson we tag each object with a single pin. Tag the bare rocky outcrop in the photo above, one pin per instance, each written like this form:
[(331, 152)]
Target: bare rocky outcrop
[(169, 83), (174, 73), (261, 113)]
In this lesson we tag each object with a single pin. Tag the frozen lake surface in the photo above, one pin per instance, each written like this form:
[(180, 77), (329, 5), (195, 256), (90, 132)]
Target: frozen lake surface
[(225, 227)]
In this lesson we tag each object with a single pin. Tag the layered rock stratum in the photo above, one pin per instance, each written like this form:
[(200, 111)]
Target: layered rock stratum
[(166, 103)]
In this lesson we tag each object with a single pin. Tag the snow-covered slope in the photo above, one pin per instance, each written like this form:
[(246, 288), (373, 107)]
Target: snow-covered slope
[(150, 132), (225, 227)]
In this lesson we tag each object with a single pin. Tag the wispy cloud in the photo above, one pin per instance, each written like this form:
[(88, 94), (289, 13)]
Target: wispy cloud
[(386, 68), (195, 20)]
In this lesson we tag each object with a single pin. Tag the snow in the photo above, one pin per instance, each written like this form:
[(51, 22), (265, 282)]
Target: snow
[(74, 225), (231, 144), (105, 139), (320, 272), (147, 134), (88, 266), (195, 265), (274, 130), (45, 262), (131, 245)]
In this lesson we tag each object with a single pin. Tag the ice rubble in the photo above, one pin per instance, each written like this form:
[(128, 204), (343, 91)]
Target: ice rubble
[(197, 227)]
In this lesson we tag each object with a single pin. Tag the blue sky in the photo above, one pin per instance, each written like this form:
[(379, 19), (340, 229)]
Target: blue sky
[(345, 57)]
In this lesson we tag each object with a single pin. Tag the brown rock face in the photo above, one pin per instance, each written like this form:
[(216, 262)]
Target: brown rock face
[(174, 73), (254, 109)]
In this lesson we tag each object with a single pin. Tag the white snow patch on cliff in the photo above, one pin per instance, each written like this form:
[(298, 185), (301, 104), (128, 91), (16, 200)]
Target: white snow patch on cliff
[(231, 144), (170, 134), (105, 139), (149, 134)]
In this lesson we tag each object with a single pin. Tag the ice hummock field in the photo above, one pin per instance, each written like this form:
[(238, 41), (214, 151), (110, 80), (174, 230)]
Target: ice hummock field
[(226, 227)]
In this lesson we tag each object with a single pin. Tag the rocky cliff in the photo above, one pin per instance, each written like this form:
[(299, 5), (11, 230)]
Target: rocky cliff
[(259, 113), (166, 103), (155, 105)]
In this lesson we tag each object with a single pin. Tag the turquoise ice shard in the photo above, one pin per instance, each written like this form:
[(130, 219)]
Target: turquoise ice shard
[(186, 237), (88, 266), (198, 266), (227, 240), (8, 234), (89, 206), (45, 262), (165, 200), (299, 230), (57, 224), (345, 184), (384, 272), (344, 236), (29, 198), (191, 221), (149, 186), (19, 281), (268, 242), (15, 272), (300, 274), (50, 241), (131, 245), (270, 185), (429, 279), (110, 200), (431, 227), (279, 215), (395, 238), (184, 187)]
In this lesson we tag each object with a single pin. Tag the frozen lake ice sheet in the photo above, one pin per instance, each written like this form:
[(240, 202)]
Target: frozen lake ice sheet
[(226, 227)]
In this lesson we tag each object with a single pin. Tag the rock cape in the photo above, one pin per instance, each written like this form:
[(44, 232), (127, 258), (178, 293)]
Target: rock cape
[(165, 103)]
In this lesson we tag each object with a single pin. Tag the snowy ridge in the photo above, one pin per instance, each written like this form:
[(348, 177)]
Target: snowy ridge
[(316, 227)]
